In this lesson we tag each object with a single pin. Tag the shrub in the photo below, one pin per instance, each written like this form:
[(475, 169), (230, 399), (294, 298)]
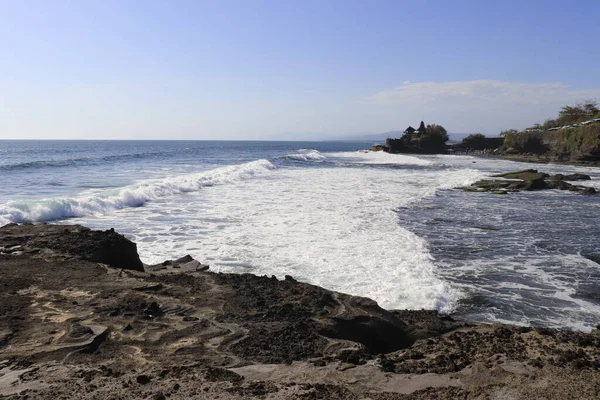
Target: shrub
[(526, 143)]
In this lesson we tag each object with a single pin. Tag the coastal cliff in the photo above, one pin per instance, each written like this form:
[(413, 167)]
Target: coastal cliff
[(82, 318), (572, 138)]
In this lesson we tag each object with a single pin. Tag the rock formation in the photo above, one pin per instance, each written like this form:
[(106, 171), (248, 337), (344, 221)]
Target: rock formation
[(79, 323), (529, 179)]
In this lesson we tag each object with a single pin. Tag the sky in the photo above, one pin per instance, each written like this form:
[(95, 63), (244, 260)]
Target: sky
[(288, 69)]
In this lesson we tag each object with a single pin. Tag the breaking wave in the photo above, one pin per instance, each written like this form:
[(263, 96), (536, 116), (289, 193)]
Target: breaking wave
[(306, 155), (135, 195)]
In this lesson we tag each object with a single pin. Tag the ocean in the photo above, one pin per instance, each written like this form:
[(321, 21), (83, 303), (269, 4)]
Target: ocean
[(389, 227)]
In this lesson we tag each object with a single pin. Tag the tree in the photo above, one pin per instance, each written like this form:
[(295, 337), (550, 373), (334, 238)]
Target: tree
[(473, 141), (437, 130), (591, 107), (578, 112), (508, 132), (549, 123)]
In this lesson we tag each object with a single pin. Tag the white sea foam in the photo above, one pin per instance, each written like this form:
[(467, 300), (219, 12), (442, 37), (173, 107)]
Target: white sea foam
[(335, 227), (379, 157), (99, 202), (306, 155), (335, 224)]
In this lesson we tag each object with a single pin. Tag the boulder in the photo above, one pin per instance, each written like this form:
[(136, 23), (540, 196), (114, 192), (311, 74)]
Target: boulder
[(560, 185), (570, 177), (106, 247), (529, 179), (524, 175)]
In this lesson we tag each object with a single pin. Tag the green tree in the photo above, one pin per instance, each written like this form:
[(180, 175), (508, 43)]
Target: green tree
[(437, 130), (549, 123), (579, 112)]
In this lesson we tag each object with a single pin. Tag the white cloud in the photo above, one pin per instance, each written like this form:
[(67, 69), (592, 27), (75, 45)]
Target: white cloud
[(481, 90), (480, 105)]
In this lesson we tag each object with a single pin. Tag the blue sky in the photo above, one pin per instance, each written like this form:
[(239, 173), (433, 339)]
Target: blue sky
[(289, 69)]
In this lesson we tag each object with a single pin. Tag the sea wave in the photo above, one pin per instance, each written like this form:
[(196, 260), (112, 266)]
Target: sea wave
[(135, 195), (306, 155), (77, 161)]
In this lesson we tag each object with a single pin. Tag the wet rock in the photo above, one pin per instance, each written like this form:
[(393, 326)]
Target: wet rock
[(570, 177), (529, 179), (585, 190), (524, 175)]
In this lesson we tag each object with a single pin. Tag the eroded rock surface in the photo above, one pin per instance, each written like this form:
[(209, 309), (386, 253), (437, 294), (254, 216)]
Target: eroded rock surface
[(73, 327), (107, 247)]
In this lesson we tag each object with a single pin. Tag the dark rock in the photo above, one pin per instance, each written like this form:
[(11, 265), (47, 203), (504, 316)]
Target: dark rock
[(364, 322), (184, 259), (585, 190), (570, 177), (559, 184), (186, 262), (106, 247), (150, 288), (143, 379), (524, 175), (77, 331), (216, 374), (535, 184), (153, 310), (5, 336), (529, 179)]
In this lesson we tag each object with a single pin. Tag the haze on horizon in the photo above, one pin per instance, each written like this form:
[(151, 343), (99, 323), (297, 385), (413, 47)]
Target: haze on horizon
[(289, 70)]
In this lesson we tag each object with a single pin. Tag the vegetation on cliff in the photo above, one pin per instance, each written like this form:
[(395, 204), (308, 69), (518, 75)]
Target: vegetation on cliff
[(575, 114), (478, 141), (581, 142), (574, 135)]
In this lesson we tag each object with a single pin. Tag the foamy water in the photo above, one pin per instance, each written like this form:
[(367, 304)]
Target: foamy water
[(335, 227), (384, 226)]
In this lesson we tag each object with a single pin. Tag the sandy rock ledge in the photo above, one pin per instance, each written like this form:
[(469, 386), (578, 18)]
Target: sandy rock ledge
[(82, 318)]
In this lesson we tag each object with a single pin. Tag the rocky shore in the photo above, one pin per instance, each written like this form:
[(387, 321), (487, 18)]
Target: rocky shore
[(529, 180), (540, 159), (82, 318)]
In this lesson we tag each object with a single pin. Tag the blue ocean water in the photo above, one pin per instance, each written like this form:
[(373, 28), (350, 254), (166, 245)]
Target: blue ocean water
[(385, 226), (38, 169)]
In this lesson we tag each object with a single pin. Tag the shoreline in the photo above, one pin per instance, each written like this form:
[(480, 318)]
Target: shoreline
[(80, 317), (536, 159)]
